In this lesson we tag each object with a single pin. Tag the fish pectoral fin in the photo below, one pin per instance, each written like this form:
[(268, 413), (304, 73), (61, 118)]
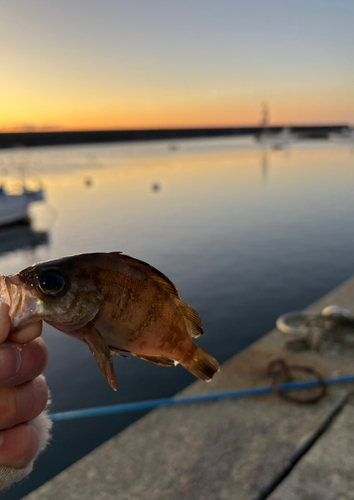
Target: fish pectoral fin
[(101, 353), (116, 352), (157, 360)]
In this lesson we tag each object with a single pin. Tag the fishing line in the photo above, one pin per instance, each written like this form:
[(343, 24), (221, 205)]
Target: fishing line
[(155, 403)]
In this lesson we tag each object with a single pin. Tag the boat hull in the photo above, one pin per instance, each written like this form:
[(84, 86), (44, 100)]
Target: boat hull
[(14, 208)]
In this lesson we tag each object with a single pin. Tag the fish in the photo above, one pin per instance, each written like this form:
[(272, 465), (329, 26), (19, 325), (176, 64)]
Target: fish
[(114, 303)]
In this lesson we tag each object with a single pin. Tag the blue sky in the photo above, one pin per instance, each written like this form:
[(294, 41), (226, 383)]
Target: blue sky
[(160, 63)]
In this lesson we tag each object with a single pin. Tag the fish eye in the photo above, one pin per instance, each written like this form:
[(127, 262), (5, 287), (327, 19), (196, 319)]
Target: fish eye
[(51, 283)]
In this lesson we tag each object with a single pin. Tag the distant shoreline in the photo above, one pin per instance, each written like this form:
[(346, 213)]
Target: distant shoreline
[(32, 139)]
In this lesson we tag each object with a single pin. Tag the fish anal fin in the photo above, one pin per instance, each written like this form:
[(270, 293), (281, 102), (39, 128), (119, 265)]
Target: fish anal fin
[(194, 323), (101, 352), (151, 272), (157, 360), (116, 352)]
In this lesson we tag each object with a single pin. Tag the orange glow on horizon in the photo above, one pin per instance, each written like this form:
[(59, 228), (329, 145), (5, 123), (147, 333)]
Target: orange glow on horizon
[(66, 101), (36, 117), (154, 65), (76, 107)]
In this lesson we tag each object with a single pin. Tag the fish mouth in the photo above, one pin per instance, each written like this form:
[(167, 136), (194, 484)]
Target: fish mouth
[(23, 305)]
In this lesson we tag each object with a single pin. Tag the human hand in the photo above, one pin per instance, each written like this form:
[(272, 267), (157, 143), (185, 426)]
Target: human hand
[(24, 426)]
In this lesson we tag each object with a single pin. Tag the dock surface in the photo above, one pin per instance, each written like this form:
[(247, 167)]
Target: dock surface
[(252, 448)]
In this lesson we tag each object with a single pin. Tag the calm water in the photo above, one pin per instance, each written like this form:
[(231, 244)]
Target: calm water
[(245, 234)]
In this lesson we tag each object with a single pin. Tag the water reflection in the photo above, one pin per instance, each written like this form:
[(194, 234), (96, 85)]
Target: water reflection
[(264, 165), (21, 237), (239, 254)]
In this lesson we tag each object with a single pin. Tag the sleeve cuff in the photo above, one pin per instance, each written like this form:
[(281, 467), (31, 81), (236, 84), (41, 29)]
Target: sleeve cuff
[(10, 475)]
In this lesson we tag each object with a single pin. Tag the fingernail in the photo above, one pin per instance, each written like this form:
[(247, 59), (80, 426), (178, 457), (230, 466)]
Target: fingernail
[(10, 362)]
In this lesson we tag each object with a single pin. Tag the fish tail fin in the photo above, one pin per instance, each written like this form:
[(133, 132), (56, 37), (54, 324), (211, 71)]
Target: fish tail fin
[(202, 365)]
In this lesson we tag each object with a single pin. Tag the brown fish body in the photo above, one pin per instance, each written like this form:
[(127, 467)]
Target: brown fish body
[(113, 303), (140, 316)]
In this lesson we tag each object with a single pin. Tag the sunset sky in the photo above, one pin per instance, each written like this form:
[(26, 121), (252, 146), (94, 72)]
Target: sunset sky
[(113, 64)]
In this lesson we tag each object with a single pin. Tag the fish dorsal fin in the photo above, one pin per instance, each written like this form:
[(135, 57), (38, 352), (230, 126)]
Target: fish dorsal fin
[(151, 272), (195, 328)]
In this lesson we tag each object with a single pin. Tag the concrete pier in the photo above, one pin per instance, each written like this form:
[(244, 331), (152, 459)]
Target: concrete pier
[(253, 448)]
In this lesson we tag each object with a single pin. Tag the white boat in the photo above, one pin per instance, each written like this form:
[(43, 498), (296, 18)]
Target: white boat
[(14, 207), (284, 138), (278, 140), (345, 135), (274, 140)]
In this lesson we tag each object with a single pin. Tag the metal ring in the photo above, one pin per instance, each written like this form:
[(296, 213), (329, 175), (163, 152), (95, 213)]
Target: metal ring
[(298, 317), (280, 372)]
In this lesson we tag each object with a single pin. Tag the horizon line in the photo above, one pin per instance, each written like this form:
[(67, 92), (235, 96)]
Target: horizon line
[(51, 130)]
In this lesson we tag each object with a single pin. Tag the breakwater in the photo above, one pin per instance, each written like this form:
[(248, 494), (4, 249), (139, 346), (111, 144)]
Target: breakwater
[(32, 139)]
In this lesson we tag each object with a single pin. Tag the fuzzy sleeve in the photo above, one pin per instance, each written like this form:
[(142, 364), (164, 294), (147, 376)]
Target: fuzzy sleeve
[(10, 475)]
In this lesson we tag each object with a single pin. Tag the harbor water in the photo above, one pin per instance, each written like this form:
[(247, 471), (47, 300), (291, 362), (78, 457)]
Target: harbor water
[(246, 233)]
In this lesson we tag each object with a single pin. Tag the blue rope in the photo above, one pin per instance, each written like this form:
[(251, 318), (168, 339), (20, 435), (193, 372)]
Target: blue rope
[(155, 403)]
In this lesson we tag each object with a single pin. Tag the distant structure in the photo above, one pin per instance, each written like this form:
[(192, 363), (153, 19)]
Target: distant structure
[(264, 132), (34, 139), (346, 134), (265, 116), (276, 139)]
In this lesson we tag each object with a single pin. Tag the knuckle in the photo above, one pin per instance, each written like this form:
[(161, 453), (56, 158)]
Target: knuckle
[(29, 445), (9, 408), (41, 392), (22, 403), (20, 446), (42, 352)]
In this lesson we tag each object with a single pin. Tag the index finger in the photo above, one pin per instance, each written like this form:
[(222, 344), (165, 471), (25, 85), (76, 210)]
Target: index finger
[(21, 335)]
